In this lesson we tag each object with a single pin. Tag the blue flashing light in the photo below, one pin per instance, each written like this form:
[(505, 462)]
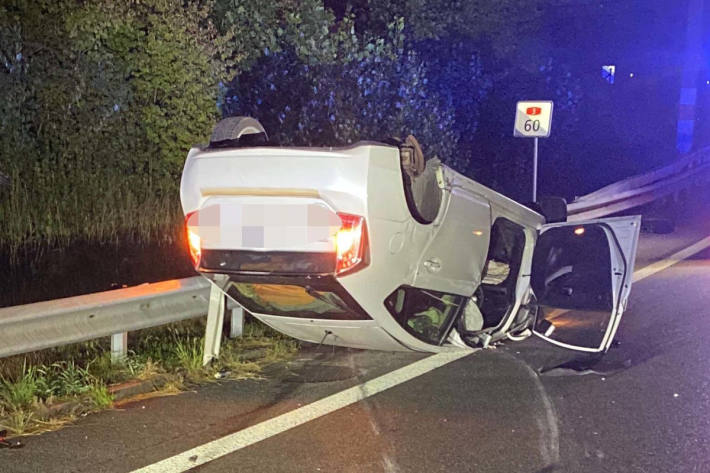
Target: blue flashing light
[(608, 73)]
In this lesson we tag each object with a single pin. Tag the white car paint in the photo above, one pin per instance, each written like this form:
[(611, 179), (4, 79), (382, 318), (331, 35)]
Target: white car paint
[(447, 255)]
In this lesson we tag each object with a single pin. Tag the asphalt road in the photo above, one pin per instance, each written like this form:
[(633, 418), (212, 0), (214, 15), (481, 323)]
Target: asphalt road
[(644, 408)]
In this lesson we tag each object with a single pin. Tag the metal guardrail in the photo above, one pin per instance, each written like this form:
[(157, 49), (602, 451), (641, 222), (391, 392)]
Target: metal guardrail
[(47, 324), (639, 190), (59, 322)]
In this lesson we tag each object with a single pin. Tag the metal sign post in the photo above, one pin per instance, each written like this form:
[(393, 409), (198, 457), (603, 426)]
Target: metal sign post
[(535, 172), (533, 120)]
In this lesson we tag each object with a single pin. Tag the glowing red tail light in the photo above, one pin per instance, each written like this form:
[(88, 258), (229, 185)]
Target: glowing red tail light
[(350, 243), (194, 242)]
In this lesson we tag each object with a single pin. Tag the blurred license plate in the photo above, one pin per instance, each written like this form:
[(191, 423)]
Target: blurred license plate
[(273, 226)]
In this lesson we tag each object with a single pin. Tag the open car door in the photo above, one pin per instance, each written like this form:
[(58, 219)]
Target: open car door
[(581, 277)]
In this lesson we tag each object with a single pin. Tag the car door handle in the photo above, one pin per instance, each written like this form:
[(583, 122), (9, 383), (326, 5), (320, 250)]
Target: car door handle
[(433, 265)]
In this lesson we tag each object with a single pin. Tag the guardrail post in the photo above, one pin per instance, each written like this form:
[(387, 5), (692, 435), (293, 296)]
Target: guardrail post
[(215, 320), (119, 347), (236, 322)]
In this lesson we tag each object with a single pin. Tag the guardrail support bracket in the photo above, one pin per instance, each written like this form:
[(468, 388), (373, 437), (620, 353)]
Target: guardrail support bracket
[(119, 347), (215, 320), (236, 322)]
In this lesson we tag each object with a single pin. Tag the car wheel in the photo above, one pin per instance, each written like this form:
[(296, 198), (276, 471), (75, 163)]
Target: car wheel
[(231, 129), (423, 193), (421, 187)]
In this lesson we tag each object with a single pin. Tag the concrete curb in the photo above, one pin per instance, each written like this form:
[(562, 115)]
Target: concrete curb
[(135, 387)]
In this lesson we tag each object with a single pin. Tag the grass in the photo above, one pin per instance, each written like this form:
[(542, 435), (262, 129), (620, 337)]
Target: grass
[(79, 204), (20, 393), (100, 396), (18, 421), (31, 384), (189, 356)]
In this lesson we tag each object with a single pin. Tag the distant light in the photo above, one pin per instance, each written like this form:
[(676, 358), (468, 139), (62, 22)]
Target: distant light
[(631, 75), (708, 82), (478, 232), (608, 73), (579, 231)]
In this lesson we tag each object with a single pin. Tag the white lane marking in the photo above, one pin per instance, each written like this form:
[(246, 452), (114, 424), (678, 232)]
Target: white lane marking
[(675, 258), (256, 433)]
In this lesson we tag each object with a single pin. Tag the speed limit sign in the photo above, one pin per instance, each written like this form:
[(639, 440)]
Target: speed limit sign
[(533, 119)]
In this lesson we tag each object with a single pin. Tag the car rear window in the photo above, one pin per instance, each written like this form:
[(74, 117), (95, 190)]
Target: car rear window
[(291, 300)]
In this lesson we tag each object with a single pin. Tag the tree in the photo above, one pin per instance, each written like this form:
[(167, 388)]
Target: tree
[(359, 86), (100, 102), (338, 104)]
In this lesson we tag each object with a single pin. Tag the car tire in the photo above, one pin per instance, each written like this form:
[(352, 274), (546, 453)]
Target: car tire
[(423, 192), (229, 130)]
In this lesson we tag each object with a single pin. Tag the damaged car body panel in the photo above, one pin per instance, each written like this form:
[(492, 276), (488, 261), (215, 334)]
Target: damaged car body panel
[(344, 246)]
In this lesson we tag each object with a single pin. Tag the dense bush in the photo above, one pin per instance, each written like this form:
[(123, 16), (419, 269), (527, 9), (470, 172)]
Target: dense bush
[(372, 97), (100, 100)]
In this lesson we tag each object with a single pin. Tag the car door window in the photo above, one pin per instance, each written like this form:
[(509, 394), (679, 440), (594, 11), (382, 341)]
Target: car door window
[(572, 269), (581, 278), (583, 328), (426, 314)]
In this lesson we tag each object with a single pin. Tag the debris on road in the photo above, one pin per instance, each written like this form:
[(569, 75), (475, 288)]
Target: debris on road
[(222, 374), (4, 443)]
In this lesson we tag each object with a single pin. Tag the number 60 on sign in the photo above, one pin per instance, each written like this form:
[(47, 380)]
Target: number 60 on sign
[(533, 119)]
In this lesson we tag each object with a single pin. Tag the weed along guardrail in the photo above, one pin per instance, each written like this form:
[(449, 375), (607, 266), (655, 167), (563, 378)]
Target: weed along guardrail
[(48, 324)]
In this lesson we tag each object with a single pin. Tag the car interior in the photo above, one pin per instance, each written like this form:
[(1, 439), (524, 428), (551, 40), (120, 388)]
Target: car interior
[(572, 268), (495, 297), (426, 314)]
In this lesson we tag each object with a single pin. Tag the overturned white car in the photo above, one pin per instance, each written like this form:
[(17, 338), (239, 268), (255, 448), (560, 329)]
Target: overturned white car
[(369, 247)]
